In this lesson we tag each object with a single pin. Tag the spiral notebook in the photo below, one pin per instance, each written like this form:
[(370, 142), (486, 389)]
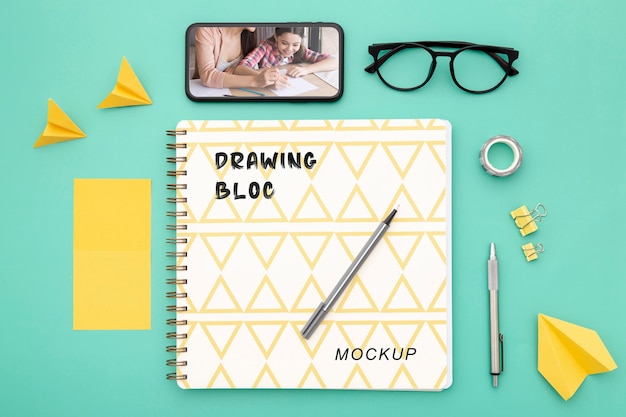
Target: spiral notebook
[(268, 216)]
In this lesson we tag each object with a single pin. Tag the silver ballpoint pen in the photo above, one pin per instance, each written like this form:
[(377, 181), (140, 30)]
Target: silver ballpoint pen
[(497, 338), (343, 283)]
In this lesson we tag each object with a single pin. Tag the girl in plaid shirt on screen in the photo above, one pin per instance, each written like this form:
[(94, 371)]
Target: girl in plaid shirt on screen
[(285, 48)]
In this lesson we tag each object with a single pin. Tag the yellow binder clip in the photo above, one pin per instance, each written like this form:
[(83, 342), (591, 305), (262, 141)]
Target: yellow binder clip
[(527, 220), (531, 251)]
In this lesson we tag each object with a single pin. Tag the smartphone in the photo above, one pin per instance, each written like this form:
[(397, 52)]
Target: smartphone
[(264, 62)]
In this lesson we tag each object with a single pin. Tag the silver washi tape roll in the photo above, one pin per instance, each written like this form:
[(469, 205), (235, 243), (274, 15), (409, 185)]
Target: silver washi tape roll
[(511, 143)]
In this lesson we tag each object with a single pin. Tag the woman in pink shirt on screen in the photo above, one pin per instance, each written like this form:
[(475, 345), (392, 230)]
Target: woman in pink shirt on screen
[(285, 48), (219, 50)]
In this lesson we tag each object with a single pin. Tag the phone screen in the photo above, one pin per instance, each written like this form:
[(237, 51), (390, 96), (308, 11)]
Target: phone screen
[(264, 62)]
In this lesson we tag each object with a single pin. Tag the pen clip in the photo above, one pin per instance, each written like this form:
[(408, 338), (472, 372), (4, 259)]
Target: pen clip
[(501, 352)]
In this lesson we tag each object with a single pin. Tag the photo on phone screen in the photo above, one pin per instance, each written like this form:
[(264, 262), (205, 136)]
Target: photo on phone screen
[(264, 62)]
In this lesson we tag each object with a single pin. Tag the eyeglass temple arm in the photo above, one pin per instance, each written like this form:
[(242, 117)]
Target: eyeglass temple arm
[(393, 48), (371, 68), (503, 64), (399, 46)]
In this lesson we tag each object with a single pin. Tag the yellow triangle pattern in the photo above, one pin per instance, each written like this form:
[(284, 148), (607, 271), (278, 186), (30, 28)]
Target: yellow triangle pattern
[(403, 374), (314, 203), (309, 243), (266, 206), (433, 148), (264, 290), (224, 295), (402, 289), (431, 216), (266, 379), (350, 155), (345, 125), (221, 374), (356, 293), (221, 347), (266, 325), (393, 156), (367, 330), (312, 146), (441, 292), (266, 126), (391, 125), (311, 373), (342, 239), (432, 325), (391, 237), (300, 238), (388, 326), (310, 285), (212, 215), (433, 238), (309, 346), (228, 240), (357, 379), (216, 126), (266, 241), (357, 202), (309, 125), (439, 384), (403, 198)]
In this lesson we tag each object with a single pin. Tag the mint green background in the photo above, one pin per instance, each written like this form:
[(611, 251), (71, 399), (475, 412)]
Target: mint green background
[(566, 108)]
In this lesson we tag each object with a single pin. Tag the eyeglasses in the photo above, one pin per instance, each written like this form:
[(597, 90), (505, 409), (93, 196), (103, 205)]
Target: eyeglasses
[(474, 68)]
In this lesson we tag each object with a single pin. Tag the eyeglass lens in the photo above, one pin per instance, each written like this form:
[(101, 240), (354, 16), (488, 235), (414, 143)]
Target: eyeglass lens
[(474, 69)]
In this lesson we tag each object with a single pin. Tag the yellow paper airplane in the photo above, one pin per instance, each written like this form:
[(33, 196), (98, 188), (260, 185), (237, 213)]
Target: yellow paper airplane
[(60, 127), (567, 353), (128, 90)]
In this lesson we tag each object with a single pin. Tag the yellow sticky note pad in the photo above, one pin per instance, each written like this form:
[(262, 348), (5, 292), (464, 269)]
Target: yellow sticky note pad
[(112, 254)]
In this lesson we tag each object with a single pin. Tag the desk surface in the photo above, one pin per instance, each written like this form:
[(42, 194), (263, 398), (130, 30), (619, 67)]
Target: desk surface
[(310, 85), (566, 108)]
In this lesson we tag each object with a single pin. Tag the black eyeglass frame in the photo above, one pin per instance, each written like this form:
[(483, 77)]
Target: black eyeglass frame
[(395, 47)]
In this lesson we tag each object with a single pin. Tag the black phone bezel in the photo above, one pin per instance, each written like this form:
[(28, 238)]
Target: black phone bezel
[(266, 99)]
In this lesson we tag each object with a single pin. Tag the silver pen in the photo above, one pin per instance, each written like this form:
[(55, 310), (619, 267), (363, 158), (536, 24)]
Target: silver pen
[(343, 283), (497, 338)]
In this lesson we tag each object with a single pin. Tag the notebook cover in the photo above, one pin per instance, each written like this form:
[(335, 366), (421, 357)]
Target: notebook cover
[(275, 211)]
